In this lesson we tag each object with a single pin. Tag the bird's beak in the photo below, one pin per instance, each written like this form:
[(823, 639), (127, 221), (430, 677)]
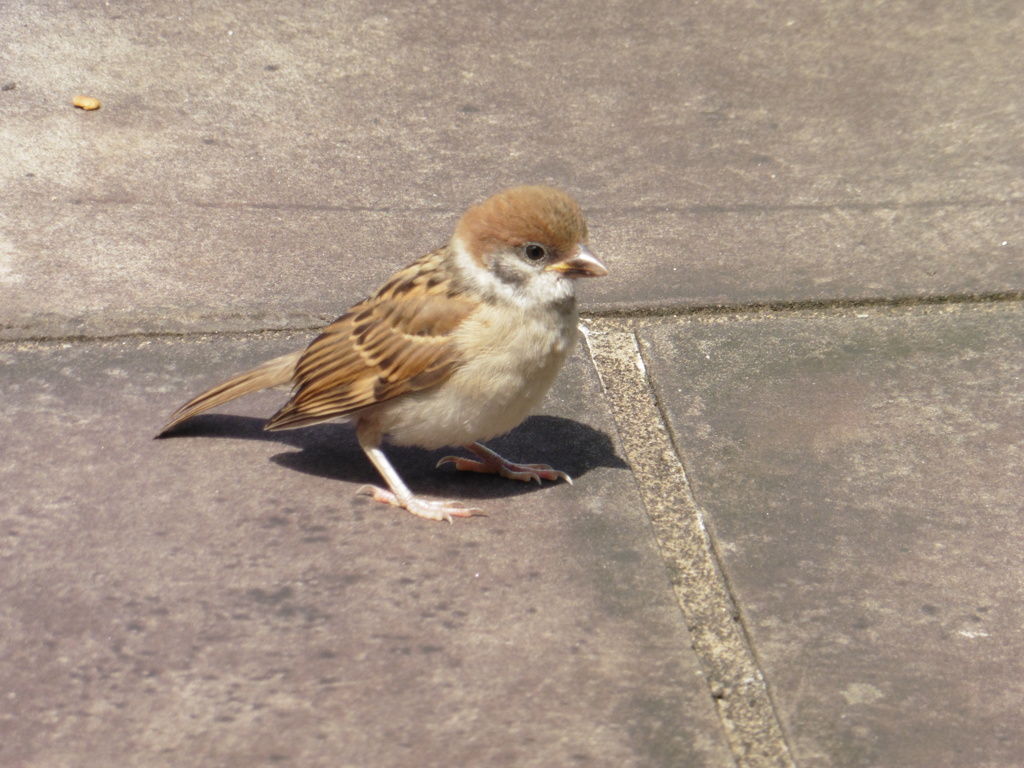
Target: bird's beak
[(582, 264)]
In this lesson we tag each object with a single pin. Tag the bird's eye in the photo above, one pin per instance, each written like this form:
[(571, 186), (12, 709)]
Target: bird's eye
[(534, 252)]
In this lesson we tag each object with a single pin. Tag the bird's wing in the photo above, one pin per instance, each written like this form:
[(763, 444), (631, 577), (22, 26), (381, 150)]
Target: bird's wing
[(395, 342)]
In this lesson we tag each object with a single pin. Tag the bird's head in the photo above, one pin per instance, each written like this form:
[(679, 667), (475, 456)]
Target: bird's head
[(532, 240)]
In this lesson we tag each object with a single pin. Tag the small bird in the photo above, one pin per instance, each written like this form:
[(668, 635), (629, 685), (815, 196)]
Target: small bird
[(456, 348)]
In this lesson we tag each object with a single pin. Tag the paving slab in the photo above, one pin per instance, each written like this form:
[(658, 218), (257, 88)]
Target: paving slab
[(727, 153), (221, 597), (95, 269), (301, 104), (862, 478)]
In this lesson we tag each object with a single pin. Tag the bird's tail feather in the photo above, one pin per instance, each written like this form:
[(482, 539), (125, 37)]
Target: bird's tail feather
[(273, 373)]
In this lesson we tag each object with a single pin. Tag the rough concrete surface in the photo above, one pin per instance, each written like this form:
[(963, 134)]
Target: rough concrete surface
[(246, 159), (812, 214), (732, 671), (222, 597), (863, 478)]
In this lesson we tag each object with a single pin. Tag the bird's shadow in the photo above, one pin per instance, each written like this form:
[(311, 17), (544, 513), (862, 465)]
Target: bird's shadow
[(332, 451)]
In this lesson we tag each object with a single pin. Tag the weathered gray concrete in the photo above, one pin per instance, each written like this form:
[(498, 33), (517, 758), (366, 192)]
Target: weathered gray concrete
[(254, 163), (863, 478), (220, 598)]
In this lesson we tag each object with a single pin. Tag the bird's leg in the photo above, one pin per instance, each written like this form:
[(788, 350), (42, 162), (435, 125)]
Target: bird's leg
[(400, 495), (492, 463)]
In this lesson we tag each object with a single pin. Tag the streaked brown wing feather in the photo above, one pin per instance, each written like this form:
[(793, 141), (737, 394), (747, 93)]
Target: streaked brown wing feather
[(395, 342)]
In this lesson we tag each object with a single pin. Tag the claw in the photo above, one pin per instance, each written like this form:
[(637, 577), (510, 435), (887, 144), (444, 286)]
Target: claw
[(431, 509), (492, 463)]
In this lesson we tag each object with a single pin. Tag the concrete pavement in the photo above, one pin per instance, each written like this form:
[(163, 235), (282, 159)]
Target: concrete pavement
[(795, 425)]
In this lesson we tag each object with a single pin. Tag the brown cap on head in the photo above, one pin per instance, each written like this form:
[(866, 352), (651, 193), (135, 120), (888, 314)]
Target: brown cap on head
[(530, 214)]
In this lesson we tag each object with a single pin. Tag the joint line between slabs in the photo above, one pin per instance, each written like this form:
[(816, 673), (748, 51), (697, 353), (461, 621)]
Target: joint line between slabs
[(719, 638)]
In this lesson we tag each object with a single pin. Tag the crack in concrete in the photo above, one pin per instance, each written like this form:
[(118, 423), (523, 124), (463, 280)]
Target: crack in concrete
[(719, 638), (806, 305), (181, 323)]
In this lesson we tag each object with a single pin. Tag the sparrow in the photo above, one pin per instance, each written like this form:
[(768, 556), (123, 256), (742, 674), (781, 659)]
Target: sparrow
[(455, 349)]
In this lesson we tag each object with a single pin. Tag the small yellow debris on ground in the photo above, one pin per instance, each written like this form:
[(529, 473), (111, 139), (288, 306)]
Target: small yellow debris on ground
[(87, 103)]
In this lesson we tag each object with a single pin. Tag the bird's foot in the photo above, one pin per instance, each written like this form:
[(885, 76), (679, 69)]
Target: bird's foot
[(492, 463), (431, 509)]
